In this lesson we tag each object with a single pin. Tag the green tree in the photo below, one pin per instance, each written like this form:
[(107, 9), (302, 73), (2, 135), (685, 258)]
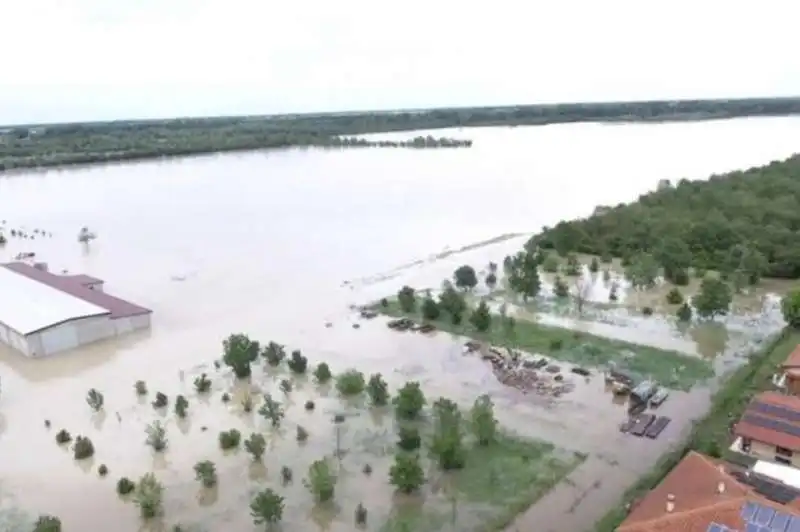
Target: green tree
[(321, 481), (202, 383), (491, 280), (465, 277), (684, 312), (447, 444), (642, 271), (149, 496), (297, 362), (560, 288), (206, 472), (181, 404), (430, 310), (266, 508), (484, 424), (550, 263), (274, 353), (523, 275), (239, 351), (573, 266), (674, 297), (674, 255), (594, 265), (271, 410), (481, 317), (451, 301), (156, 436), (256, 445), (95, 400), (406, 473), (407, 298), (322, 373), (714, 298), (47, 523), (409, 438), (409, 401), (378, 390), (790, 307), (350, 383)]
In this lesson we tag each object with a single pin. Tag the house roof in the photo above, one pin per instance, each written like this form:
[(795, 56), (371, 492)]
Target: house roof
[(694, 487), (793, 360), (118, 308), (772, 418)]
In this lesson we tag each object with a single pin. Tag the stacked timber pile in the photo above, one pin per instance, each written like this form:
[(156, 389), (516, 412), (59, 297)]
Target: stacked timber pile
[(518, 370)]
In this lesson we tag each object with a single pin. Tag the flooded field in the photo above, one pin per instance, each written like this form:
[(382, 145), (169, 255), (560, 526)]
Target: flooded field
[(277, 245)]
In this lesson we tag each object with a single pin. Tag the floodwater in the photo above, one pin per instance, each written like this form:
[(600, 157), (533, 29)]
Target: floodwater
[(263, 243)]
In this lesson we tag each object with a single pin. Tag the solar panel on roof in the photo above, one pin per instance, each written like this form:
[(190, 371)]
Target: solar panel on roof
[(763, 516), (748, 511), (777, 411), (779, 522), (752, 527), (771, 424)]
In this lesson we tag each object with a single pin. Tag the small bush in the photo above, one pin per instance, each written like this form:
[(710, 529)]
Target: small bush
[(226, 397), (351, 382), (322, 373), (63, 436), (149, 496), (286, 386), (409, 438), (83, 448), (125, 486), (47, 523), (102, 470), (406, 473), (556, 344), (378, 390), (361, 514), (206, 473), (674, 297), (309, 405), (409, 401), (384, 302), (274, 353), (256, 445), (684, 312), (560, 288), (140, 387), (302, 434), (367, 469), (647, 311), (229, 439), (161, 400), (297, 362), (202, 383), (594, 265), (181, 404), (321, 481), (286, 475)]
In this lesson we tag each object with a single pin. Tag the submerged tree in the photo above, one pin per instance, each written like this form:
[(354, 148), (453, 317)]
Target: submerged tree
[(239, 352), (790, 308), (181, 404), (206, 473), (523, 275), (256, 444), (95, 400), (447, 445), (149, 496), (407, 299), (481, 317), (484, 424), (378, 390), (409, 401), (202, 383), (406, 473), (47, 523), (322, 373), (298, 363), (713, 299), (274, 353), (271, 410), (321, 481), (465, 277), (156, 436), (266, 508)]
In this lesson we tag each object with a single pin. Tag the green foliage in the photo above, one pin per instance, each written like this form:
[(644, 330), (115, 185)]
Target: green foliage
[(684, 312), (351, 382), (674, 297), (523, 274), (430, 309), (256, 445), (238, 352), (642, 271), (560, 288), (594, 265), (229, 439), (63, 436), (451, 300), (407, 298), (572, 266), (82, 448), (447, 445), (47, 523), (297, 362), (156, 436), (322, 373), (266, 508), (140, 387), (465, 277), (408, 438), (361, 515), (321, 481), (102, 470), (274, 353), (409, 401), (95, 400), (606, 258), (271, 410), (406, 473), (483, 422), (125, 486), (741, 220), (491, 280), (714, 298), (160, 401), (286, 385), (378, 390), (481, 317), (790, 307), (202, 383), (301, 434), (181, 404), (206, 472), (149, 496), (550, 263)]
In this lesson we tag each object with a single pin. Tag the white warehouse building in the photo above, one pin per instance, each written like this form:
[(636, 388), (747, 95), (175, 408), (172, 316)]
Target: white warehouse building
[(42, 313)]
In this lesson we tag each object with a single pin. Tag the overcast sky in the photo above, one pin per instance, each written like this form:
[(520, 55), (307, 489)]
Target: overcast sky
[(104, 59)]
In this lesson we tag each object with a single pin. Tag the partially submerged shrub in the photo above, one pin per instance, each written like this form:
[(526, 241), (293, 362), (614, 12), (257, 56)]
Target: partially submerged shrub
[(322, 373), (684, 312), (256, 445), (286, 386), (266, 508), (102, 470), (229, 439), (321, 481), (406, 473), (271, 410), (674, 297), (161, 400), (378, 390), (309, 405), (63, 436), (140, 387), (226, 397), (351, 382), (95, 399), (447, 445), (206, 473), (83, 448), (409, 439), (647, 311), (361, 515), (125, 486), (483, 422), (297, 362), (286, 475), (47, 523), (409, 401), (302, 434), (149, 496), (156, 436), (202, 383), (367, 469), (274, 353), (181, 404)]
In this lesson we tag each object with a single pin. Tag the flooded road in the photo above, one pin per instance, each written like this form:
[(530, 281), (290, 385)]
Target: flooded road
[(262, 243)]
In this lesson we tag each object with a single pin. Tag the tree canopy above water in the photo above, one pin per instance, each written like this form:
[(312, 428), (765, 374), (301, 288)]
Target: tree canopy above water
[(743, 220)]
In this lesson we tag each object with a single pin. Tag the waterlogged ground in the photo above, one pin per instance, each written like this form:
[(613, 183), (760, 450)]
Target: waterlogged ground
[(263, 244)]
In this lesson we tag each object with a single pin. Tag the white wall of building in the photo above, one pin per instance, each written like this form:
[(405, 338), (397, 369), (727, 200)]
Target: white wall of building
[(12, 338), (69, 336), (131, 323)]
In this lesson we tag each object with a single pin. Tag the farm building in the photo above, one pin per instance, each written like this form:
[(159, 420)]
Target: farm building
[(42, 313)]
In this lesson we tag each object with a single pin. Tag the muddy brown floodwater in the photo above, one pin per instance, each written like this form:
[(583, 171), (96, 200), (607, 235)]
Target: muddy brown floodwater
[(262, 243)]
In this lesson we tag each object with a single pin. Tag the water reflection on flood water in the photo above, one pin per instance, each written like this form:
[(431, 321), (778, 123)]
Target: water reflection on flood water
[(262, 243)]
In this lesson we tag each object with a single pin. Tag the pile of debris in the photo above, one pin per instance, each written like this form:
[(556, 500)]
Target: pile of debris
[(518, 370), (406, 324)]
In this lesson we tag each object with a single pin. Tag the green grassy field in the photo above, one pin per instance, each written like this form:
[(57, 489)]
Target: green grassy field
[(670, 368)]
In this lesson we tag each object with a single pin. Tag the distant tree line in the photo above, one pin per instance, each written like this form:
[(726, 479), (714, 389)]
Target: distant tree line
[(744, 224), (81, 143)]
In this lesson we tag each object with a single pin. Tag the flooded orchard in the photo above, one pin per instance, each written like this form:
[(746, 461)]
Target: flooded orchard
[(279, 245)]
